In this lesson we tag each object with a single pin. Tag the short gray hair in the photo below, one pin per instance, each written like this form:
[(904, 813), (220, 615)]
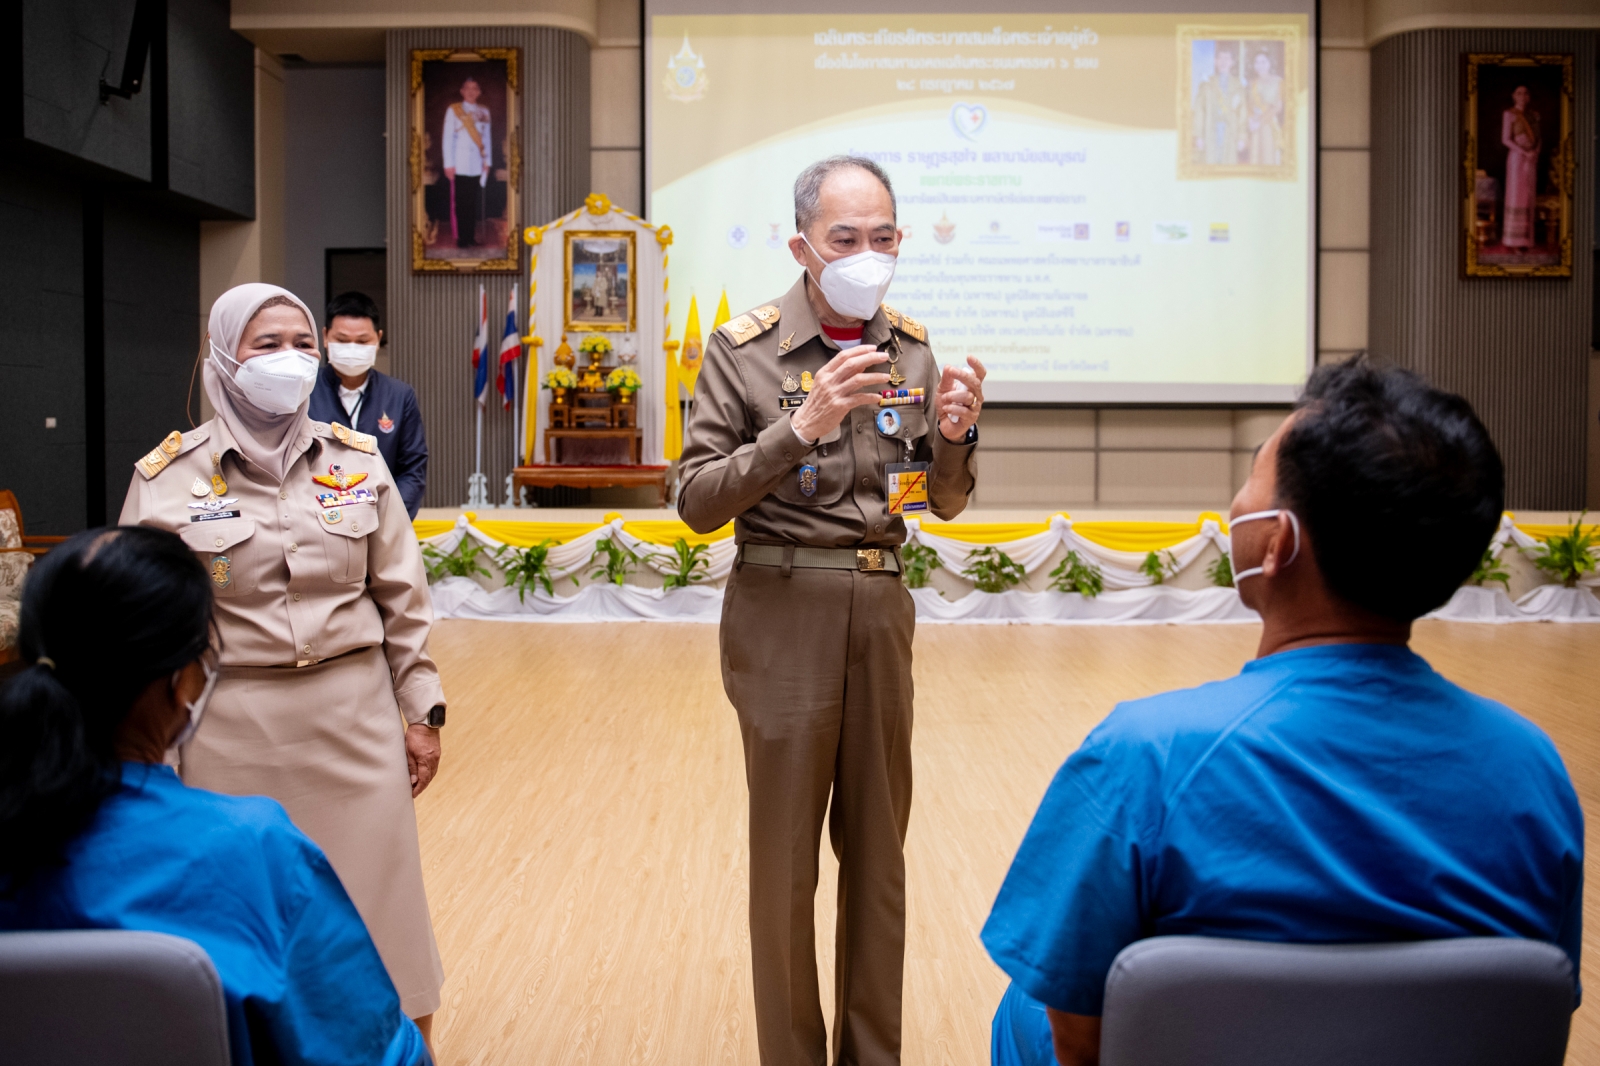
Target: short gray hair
[(808, 186)]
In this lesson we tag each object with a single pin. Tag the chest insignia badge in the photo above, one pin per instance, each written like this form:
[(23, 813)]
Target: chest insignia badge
[(783, 345), (385, 423), (221, 571), (808, 480), (213, 505), (895, 377), (790, 383), (336, 478), (806, 381), (333, 517), (218, 485), (199, 488)]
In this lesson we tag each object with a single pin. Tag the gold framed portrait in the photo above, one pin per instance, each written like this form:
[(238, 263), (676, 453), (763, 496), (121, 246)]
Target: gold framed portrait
[(465, 155), (1238, 91), (1517, 165), (598, 277)]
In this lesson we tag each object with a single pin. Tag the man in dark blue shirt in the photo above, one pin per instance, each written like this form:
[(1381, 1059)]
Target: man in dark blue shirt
[(1337, 790), (351, 392)]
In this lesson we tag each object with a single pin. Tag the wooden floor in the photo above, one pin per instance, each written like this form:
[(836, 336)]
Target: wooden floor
[(584, 847)]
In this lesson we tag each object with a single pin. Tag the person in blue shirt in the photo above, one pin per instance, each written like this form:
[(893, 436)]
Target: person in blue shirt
[(1337, 790), (96, 833), (349, 391)]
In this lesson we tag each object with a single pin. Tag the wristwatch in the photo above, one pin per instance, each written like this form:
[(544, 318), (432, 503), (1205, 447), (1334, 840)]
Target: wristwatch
[(435, 717)]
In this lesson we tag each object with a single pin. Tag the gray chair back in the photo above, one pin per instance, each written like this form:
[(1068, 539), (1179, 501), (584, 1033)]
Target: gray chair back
[(1202, 1001), (110, 997)]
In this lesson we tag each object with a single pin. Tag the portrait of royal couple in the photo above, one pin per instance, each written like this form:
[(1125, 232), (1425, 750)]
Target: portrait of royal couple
[(1239, 103)]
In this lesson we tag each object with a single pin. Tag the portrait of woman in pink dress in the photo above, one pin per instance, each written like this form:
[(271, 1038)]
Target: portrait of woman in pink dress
[(1519, 132)]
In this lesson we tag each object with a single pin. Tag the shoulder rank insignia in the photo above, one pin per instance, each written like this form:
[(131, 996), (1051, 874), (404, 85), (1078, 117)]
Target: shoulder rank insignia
[(157, 458), (751, 324), (361, 442), (905, 324), (336, 478)]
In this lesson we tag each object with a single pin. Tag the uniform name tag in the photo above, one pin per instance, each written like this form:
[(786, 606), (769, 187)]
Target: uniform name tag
[(213, 516), (907, 485), (790, 403)]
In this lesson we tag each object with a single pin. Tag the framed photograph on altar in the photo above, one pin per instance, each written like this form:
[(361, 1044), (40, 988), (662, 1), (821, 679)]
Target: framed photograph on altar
[(1517, 165), (1238, 92), (465, 156), (599, 276)]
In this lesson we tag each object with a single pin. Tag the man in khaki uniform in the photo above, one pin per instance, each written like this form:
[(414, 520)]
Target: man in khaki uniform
[(792, 441), (328, 700)]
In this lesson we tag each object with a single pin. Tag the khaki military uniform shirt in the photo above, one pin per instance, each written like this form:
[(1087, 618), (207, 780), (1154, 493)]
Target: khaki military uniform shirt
[(742, 460), (302, 571)]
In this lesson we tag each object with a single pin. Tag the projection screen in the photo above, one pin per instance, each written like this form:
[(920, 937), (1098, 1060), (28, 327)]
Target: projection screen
[(1103, 206)]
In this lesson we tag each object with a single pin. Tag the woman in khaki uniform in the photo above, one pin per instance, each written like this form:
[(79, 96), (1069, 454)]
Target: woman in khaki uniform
[(324, 613)]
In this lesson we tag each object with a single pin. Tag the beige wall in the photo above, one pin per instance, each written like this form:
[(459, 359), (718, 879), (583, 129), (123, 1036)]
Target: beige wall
[(616, 121), (232, 253), (1343, 158)]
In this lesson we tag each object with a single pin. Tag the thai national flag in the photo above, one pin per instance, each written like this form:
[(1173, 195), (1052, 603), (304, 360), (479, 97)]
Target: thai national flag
[(510, 350), (480, 351)]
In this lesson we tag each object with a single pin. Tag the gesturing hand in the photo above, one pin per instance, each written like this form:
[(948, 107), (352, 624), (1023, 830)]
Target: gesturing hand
[(836, 391), (959, 398)]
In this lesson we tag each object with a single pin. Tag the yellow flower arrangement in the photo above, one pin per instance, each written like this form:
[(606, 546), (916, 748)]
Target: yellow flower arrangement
[(561, 378), (594, 344), (623, 379)]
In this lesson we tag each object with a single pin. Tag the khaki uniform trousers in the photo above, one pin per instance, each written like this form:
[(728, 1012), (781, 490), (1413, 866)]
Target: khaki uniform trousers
[(328, 743), (818, 665)]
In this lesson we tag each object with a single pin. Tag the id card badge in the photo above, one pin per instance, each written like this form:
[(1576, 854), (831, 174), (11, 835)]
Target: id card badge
[(907, 485)]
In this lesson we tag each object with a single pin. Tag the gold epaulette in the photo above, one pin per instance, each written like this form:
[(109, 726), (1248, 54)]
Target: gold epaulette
[(905, 324), (174, 445), (751, 324), (361, 442)]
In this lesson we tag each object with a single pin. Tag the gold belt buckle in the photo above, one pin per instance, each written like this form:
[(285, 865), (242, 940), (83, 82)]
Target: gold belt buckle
[(869, 558)]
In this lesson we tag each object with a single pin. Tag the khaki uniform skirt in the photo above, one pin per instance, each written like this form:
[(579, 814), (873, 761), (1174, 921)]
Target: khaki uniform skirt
[(328, 742)]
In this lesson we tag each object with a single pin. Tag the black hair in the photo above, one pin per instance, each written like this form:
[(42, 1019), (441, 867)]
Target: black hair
[(352, 305), (1397, 482), (103, 615)]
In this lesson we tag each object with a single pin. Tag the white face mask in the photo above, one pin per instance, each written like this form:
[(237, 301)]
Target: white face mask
[(277, 382), (352, 359), (197, 710), (855, 285), (1258, 516)]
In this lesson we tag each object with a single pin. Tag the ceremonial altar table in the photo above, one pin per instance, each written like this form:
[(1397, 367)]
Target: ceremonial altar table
[(593, 477)]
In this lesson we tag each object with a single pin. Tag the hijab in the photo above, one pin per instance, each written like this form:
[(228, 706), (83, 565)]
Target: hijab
[(267, 440)]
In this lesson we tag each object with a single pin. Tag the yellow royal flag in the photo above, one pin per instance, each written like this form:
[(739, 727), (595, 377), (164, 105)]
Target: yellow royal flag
[(680, 371), (693, 344), (722, 312)]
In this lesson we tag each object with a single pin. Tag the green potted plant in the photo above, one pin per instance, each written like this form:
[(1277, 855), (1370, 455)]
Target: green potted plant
[(918, 561), (1158, 566), (528, 568), (619, 562), (992, 570), (462, 562), (1073, 574), (692, 562), (1568, 557)]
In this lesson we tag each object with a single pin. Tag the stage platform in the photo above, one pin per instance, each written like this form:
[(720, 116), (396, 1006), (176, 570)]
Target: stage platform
[(584, 845)]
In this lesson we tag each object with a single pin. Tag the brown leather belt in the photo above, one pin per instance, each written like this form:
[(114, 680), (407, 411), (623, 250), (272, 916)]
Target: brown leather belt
[(864, 559)]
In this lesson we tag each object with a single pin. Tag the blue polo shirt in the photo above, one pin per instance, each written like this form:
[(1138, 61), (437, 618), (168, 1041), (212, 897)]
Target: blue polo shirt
[(301, 979), (1334, 794)]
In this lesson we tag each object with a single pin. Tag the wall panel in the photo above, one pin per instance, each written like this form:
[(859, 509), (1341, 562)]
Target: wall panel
[(432, 317), (1516, 348)]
